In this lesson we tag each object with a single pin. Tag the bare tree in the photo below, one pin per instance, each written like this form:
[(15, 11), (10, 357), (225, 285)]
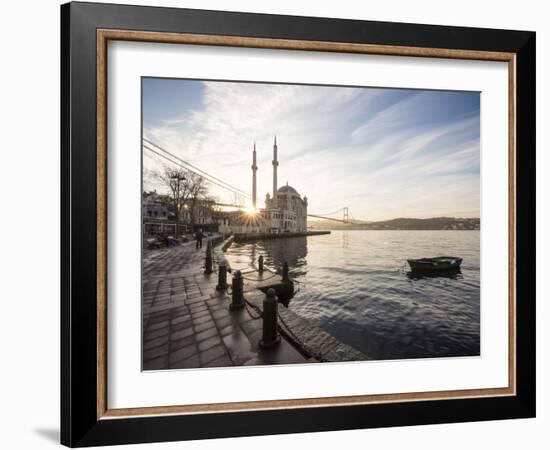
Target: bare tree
[(197, 192), (187, 190), (176, 180)]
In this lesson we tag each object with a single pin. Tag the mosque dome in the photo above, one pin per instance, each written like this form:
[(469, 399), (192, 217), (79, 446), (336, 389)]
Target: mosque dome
[(287, 189)]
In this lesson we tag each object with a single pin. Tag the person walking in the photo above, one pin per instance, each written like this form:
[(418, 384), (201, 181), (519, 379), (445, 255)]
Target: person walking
[(198, 238)]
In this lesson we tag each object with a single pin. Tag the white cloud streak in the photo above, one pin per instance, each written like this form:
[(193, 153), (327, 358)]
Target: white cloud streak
[(338, 146)]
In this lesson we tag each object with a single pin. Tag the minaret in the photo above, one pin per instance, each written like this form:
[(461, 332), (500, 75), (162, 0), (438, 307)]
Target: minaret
[(275, 164), (254, 169)]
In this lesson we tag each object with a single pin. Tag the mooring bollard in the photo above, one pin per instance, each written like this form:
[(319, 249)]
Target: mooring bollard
[(208, 262), (222, 277), (285, 272), (261, 263), (270, 336), (237, 298)]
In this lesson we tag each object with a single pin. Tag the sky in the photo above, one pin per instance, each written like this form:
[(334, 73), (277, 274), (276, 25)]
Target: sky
[(383, 153)]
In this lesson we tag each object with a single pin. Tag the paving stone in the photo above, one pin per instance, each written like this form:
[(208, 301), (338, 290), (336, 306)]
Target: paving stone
[(183, 353), (215, 302), (240, 316), (239, 347), (158, 325), (176, 344), (229, 329), (251, 326), (180, 310), (200, 313), (182, 326), (224, 322), (196, 308), (220, 314), (156, 317), (202, 298), (191, 286), (206, 334), (181, 318), (222, 361), (204, 326), (182, 333), (152, 343), (164, 307), (284, 353), (156, 333), (155, 352), (156, 364), (202, 319), (211, 354), (208, 343), (219, 306), (192, 362)]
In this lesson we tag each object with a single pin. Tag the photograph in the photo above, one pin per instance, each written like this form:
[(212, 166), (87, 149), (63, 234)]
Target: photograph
[(302, 224), (278, 223)]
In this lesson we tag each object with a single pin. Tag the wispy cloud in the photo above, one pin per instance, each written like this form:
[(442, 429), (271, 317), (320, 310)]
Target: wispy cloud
[(382, 152)]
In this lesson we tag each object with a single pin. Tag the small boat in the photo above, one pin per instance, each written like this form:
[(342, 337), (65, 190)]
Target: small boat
[(439, 263)]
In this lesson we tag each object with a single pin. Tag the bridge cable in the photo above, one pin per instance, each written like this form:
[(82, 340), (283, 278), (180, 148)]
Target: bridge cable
[(207, 176), (194, 168)]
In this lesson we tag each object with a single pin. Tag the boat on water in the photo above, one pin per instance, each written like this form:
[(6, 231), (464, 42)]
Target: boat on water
[(439, 263)]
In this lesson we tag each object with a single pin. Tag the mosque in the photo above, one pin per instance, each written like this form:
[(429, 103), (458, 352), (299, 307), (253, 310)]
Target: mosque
[(285, 210)]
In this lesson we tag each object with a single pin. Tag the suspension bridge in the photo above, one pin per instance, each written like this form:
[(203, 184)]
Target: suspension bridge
[(240, 197)]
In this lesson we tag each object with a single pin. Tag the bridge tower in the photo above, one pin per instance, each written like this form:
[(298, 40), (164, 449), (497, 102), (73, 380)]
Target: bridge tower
[(346, 214)]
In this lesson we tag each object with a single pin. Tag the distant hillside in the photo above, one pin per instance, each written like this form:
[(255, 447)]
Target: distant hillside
[(434, 223)]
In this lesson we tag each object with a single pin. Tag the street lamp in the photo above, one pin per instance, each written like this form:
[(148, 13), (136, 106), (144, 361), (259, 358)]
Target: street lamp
[(185, 218), (179, 178)]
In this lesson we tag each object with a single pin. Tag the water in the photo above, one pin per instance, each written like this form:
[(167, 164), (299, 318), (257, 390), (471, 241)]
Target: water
[(356, 285)]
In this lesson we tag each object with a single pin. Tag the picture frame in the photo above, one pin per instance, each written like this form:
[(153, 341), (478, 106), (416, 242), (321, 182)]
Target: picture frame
[(86, 418)]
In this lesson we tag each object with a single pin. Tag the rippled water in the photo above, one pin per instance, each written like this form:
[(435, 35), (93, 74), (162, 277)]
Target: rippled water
[(356, 286)]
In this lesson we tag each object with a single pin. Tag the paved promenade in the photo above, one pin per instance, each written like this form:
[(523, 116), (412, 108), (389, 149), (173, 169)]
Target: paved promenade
[(187, 323)]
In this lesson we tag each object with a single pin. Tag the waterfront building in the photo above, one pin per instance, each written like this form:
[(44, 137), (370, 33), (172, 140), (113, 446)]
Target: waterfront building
[(154, 206), (159, 218)]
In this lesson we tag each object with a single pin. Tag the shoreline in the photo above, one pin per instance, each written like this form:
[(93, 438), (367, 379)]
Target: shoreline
[(246, 237)]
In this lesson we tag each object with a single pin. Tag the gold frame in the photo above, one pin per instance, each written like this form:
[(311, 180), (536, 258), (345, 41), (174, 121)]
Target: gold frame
[(103, 36)]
